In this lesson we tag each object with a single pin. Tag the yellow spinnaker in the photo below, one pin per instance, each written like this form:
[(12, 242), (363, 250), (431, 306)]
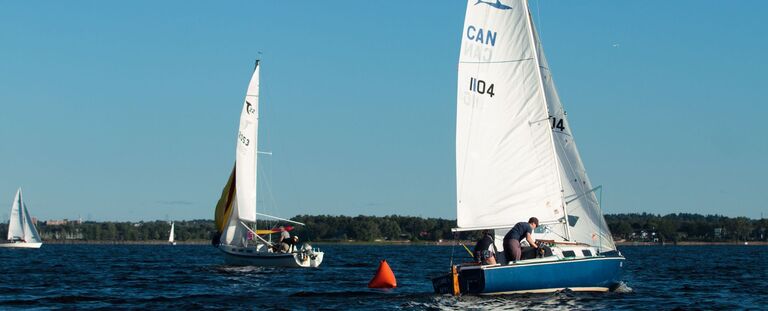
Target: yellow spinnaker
[(224, 206)]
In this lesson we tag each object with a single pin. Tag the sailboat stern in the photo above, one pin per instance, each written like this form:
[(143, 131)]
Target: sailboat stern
[(467, 281)]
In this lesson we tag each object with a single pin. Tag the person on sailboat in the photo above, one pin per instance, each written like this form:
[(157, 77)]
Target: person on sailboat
[(484, 250), (286, 241), (520, 231)]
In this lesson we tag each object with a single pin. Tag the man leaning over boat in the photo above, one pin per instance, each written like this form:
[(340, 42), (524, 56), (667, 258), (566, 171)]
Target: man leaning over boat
[(286, 242), (522, 230)]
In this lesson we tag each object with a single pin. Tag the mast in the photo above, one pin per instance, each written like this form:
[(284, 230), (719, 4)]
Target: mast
[(534, 46)]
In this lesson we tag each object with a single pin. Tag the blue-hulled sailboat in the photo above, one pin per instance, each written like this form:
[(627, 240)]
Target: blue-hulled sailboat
[(516, 158)]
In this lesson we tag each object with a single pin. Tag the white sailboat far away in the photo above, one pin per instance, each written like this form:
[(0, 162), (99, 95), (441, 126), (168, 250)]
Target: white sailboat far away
[(516, 158), (171, 236), (235, 216), (21, 231)]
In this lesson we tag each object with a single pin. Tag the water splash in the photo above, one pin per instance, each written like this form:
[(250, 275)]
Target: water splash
[(623, 288)]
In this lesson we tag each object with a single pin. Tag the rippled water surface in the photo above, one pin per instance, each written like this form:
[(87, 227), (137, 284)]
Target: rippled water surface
[(193, 276)]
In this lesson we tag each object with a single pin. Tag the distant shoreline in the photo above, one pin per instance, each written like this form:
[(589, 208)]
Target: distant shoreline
[(412, 243)]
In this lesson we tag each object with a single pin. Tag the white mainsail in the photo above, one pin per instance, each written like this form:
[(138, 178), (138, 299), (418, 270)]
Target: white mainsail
[(515, 155), (20, 224), (171, 235), (244, 204), (505, 162)]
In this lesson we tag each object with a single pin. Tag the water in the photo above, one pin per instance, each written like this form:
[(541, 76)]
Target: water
[(193, 276)]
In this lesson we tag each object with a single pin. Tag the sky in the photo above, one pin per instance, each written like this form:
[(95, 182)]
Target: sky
[(128, 111)]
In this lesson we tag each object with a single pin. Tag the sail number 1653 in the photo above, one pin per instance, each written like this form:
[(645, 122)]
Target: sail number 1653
[(480, 86)]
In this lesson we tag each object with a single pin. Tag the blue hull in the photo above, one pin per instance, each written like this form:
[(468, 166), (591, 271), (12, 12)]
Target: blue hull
[(587, 274)]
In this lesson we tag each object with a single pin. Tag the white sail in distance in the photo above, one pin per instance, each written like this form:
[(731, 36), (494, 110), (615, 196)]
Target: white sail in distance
[(15, 225), (21, 225), (505, 160), (171, 236)]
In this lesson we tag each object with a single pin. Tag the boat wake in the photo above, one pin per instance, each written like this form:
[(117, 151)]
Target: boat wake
[(623, 288), (244, 269)]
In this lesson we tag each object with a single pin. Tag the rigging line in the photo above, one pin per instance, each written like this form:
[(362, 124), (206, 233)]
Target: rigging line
[(254, 233), (268, 185), (538, 15), (583, 194), (555, 233), (453, 248)]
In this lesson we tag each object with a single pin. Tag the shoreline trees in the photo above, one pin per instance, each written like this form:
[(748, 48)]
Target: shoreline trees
[(641, 227)]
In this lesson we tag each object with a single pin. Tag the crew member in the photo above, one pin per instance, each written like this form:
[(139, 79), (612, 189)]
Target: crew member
[(519, 232), (285, 242), (484, 250)]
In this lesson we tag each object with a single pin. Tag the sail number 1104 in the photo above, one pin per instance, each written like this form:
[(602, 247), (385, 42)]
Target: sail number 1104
[(480, 87)]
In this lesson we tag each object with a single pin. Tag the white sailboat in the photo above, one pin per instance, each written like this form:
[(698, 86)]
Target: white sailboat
[(171, 236), (236, 209), (21, 231), (516, 158)]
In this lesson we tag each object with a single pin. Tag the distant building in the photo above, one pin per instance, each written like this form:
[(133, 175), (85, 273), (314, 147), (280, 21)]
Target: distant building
[(719, 232), (62, 222), (55, 222)]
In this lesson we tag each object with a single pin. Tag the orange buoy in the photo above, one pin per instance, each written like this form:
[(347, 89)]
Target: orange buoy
[(384, 277)]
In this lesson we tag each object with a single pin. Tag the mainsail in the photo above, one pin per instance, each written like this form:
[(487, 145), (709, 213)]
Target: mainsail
[(238, 200), (515, 154), (20, 225)]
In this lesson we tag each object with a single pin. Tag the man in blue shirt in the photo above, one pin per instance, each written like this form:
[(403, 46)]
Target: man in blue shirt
[(519, 232)]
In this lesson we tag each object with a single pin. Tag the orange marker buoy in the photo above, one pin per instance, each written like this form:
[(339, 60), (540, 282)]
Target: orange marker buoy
[(384, 277)]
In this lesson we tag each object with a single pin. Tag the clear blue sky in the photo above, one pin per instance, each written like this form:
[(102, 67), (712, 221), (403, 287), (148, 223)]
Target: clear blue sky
[(128, 111)]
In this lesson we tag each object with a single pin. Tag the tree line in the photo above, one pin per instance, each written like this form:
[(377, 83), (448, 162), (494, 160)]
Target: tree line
[(630, 227)]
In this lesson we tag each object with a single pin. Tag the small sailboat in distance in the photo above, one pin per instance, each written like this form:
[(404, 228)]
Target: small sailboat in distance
[(516, 158), (21, 231), (171, 236), (235, 214)]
